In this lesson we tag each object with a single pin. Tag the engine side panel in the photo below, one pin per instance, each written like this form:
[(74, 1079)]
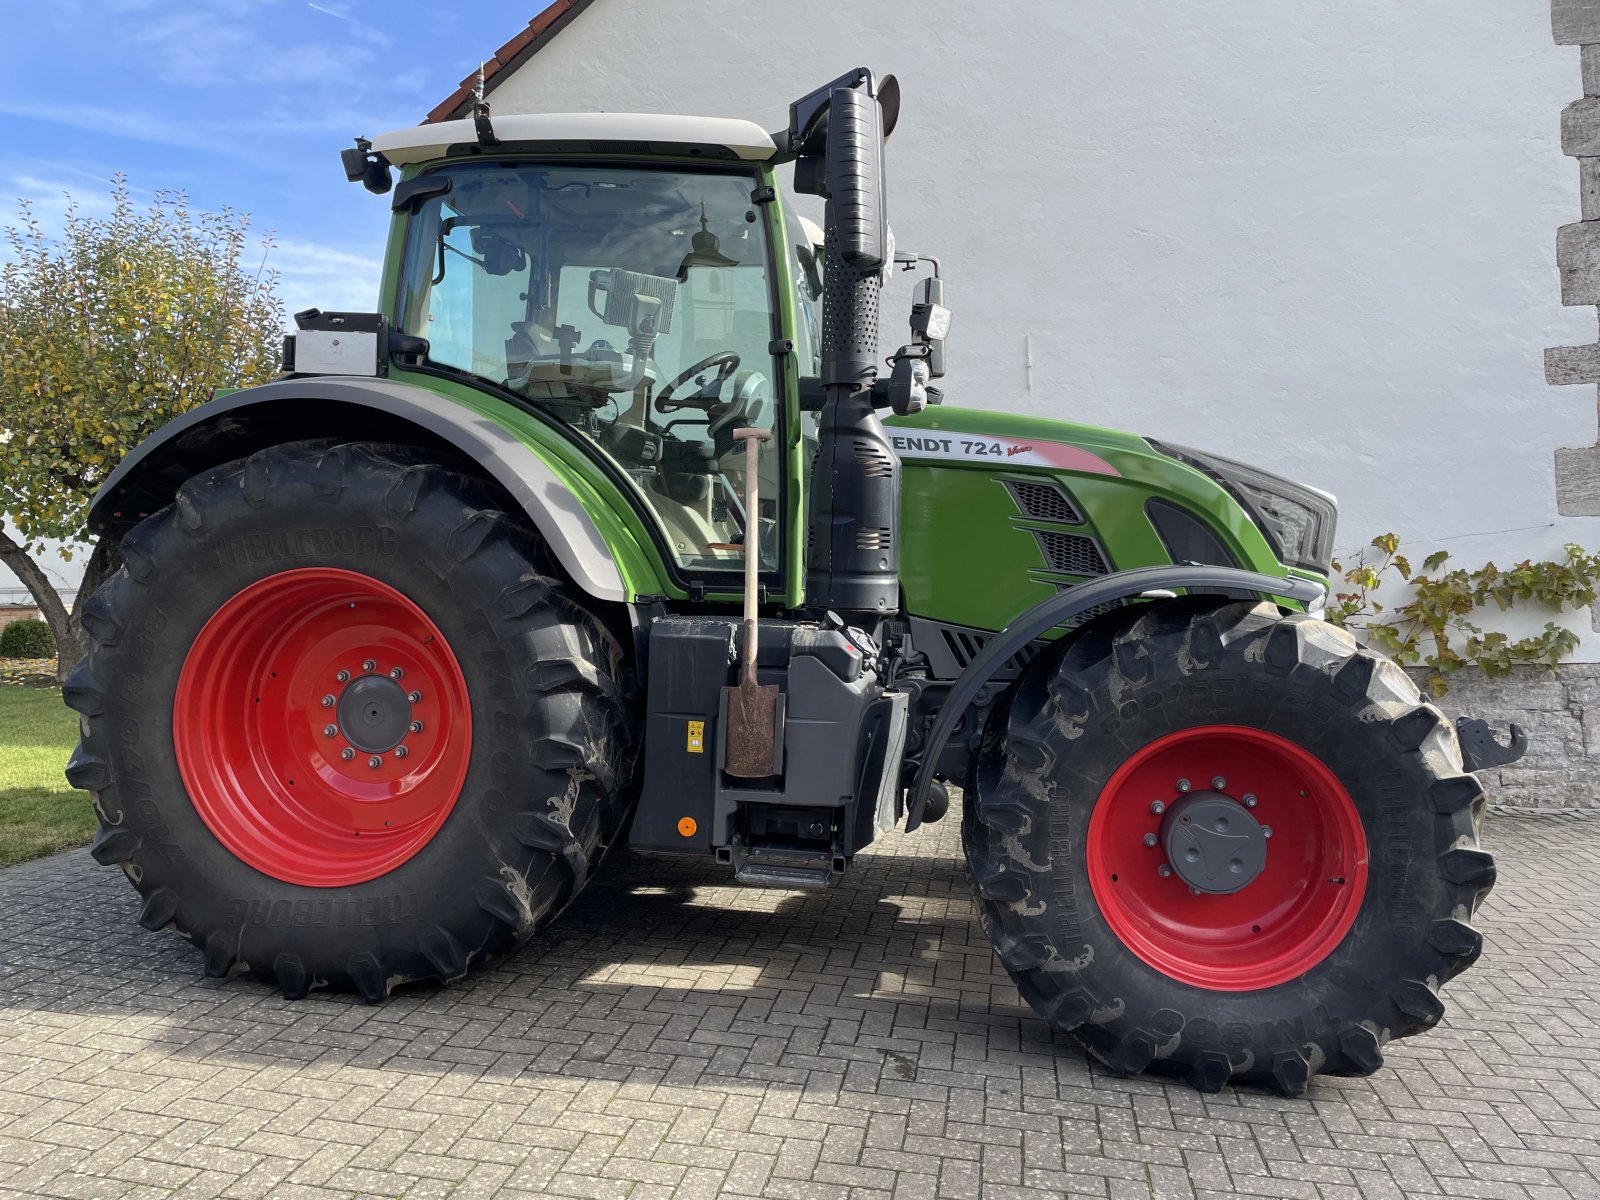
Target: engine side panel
[(1001, 512)]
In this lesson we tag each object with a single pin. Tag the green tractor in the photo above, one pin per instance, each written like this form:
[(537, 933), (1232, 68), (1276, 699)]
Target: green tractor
[(607, 530)]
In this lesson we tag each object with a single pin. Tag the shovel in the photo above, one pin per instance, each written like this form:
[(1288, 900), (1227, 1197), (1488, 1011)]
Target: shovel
[(753, 718)]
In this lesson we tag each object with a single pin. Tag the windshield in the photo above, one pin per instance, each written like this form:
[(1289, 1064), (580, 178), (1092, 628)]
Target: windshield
[(634, 305)]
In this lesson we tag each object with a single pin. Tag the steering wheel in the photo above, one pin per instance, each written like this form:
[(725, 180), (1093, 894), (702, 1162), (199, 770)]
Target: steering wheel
[(726, 362)]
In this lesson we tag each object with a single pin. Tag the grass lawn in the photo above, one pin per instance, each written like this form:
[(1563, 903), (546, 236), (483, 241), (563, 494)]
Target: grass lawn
[(39, 813)]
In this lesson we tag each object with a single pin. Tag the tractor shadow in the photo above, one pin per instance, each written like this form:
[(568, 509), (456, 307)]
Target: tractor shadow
[(660, 969)]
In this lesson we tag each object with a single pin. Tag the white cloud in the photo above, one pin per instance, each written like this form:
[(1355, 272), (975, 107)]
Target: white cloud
[(315, 275), (46, 187), (118, 122), (234, 138), (198, 50), (311, 274), (341, 12), (50, 197), (239, 42)]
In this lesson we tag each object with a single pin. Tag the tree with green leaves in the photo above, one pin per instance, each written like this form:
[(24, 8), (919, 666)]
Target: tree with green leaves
[(107, 332)]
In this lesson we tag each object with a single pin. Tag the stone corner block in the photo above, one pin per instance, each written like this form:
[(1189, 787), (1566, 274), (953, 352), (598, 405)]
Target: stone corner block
[(1578, 482), (1589, 186), (1589, 61), (1578, 261), (1572, 364), (1575, 22), (1580, 128)]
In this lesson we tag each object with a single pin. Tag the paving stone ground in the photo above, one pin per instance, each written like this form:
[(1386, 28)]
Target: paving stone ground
[(674, 1036)]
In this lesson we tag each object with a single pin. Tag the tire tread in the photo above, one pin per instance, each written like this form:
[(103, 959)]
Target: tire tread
[(1029, 737), (574, 715)]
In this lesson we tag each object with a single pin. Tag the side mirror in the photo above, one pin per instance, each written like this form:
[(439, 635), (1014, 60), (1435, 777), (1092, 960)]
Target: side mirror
[(362, 166), (930, 322)]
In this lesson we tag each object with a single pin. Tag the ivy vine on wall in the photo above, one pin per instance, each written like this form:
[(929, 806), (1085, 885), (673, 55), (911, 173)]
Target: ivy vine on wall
[(1435, 626)]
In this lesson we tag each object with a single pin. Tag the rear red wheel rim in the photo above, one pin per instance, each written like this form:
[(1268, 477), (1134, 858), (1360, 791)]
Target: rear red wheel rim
[(322, 727), (1275, 928)]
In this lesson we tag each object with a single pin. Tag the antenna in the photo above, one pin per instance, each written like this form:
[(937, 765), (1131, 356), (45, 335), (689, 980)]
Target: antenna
[(480, 113)]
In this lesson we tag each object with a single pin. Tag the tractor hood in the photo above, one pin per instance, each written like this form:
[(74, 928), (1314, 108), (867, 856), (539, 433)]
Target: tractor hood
[(1001, 510)]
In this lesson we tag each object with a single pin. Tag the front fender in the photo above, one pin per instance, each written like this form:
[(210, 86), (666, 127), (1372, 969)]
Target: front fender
[(1060, 609), (370, 409)]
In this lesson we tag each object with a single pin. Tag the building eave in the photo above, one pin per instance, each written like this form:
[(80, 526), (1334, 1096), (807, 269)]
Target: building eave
[(539, 32)]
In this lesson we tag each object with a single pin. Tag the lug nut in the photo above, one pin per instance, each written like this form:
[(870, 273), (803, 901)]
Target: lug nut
[(329, 730), (416, 727), (401, 752), (397, 673), (1184, 785), (327, 702), (1149, 839), (1157, 807), (347, 754), (343, 676), (369, 665), (1266, 831), (1164, 871), (414, 697), (1193, 891), (374, 762), (1249, 800), (1218, 783)]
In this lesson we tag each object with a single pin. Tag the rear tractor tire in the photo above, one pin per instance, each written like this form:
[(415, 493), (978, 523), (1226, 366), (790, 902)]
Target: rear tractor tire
[(343, 726), (1217, 842)]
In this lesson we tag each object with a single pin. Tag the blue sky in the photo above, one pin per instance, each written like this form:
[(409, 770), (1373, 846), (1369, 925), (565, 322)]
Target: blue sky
[(244, 103)]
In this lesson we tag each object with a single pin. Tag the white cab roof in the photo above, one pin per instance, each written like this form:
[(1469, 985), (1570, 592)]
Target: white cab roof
[(421, 142)]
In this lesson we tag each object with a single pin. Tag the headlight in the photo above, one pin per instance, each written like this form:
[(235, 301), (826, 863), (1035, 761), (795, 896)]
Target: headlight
[(1296, 520)]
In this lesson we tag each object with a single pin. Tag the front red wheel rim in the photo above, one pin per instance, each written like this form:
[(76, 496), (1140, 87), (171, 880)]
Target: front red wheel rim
[(322, 727), (1275, 928)]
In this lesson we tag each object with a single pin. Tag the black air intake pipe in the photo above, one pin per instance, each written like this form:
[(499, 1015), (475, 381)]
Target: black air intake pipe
[(853, 527)]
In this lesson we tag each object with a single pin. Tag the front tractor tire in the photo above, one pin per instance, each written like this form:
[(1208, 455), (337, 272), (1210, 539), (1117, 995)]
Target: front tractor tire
[(1217, 842), (343, 726)]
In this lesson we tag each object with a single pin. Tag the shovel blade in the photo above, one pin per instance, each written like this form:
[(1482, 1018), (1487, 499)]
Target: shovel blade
[(752, 734)]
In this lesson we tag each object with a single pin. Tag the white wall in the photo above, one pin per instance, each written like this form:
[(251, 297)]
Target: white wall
[(63, 573), (1316, 237)]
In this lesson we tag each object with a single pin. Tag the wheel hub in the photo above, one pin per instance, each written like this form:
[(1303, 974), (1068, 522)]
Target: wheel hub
[(1228, 916), (322, 726), (1213, 843), (374, 714)]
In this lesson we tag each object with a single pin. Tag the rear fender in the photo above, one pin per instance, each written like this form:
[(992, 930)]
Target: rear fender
[(239, 424)]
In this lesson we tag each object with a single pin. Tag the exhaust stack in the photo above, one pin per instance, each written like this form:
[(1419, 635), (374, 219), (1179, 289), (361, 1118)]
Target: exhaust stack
[(853, 529)]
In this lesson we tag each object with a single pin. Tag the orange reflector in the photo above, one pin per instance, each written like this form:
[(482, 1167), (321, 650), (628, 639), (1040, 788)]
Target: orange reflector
[(687, 826)]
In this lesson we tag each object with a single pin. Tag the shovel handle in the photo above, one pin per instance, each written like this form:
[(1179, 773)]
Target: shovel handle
[(752, 439)]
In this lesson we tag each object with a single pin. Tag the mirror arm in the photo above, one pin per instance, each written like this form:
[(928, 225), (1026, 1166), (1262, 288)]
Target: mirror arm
[(908, 261)]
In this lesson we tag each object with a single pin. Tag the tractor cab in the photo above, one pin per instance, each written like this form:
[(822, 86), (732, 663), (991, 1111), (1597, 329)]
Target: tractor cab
[(636, 305)]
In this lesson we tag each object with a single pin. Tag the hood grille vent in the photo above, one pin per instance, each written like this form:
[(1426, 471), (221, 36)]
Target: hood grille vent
[(1071, 553), (1044, 502)]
